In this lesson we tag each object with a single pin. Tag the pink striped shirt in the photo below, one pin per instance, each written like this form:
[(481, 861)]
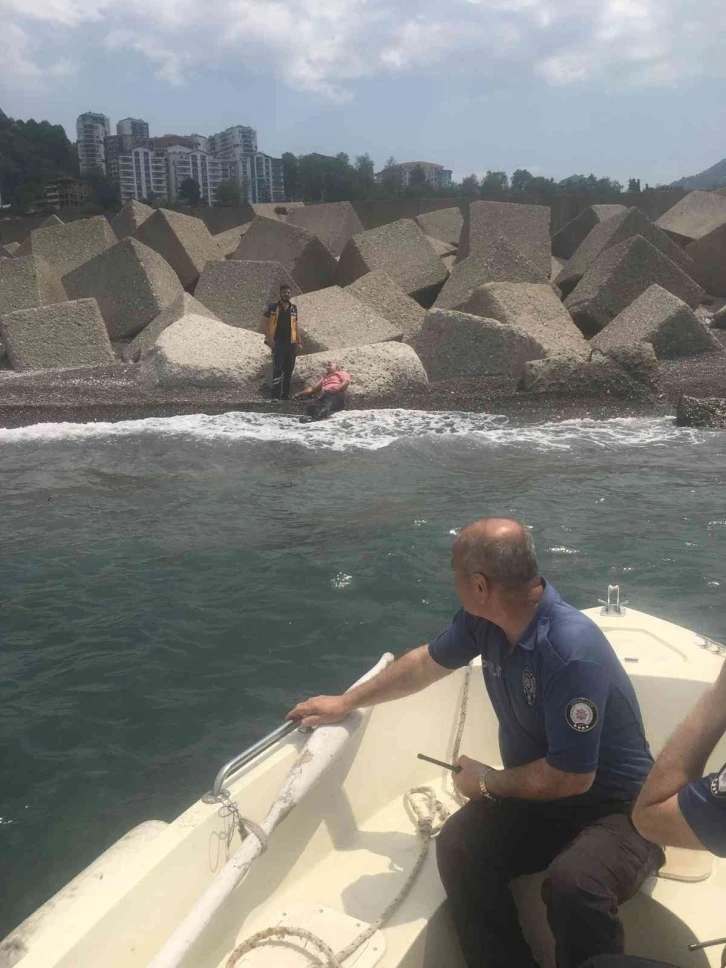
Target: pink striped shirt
[(332, 382)]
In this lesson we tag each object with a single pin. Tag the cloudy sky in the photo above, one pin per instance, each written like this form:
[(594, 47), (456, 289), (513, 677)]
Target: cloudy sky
[(618, 87)]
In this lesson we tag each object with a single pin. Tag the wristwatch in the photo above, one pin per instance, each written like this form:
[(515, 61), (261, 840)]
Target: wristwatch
[(483, 783)]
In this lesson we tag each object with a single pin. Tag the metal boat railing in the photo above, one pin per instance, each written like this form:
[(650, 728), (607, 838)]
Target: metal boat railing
[(246, 756)]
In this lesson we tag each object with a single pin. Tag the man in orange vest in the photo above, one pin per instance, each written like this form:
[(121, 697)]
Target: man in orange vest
[(282, 335)]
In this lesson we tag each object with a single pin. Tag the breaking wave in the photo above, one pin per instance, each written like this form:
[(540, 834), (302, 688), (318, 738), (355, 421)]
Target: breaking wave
[(371, 430)]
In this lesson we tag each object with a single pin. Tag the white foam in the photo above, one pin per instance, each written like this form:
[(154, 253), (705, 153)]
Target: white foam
[(370, 430)]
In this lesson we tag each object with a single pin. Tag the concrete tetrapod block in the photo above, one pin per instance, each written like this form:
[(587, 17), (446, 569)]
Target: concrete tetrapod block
[(378, 291), (27, 282), (184, 242), (557, 265), (63, 335), (183, 305), (629, 373), (709, 257), (333, 223), (5, 253), (298, 251), (444, 224), (496, 260), (719, 319), (66, 246), (51, 220), (441, 248), (332, 318), (267, 209), (239, 292), (131, 282), (12, 247), (663, 320), (566, 242), (228, 241), (627, 224), (376, 370), (618, 276), (131, 216), (706, 412), (533, 308), (198, 351), (693, 217), (453, 344), (399, 249), (527, 227)]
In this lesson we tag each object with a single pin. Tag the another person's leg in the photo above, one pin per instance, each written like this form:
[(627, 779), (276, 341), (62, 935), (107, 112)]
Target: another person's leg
[(480, 849), (278, 366), (603, 866), (288, 367)]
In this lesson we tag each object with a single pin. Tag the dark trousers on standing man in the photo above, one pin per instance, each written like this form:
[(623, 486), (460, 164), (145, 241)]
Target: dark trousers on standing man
[(594, 858), (283, 363)]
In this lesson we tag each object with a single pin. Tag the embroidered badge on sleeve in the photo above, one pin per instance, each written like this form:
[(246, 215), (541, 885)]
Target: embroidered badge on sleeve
[(581, 715)]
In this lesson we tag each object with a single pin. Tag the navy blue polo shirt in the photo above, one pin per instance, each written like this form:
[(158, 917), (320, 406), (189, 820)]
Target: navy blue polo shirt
[(560, 694), (703, 804)]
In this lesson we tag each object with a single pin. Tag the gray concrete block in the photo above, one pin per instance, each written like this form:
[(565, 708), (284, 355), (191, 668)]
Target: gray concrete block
[(5, 253), (332, 319), (298, 251), (441, 248), (624, 373), (376, 370), (496, 260), (239, 292), (198, 351), (625, 225), (663, 320), (66, 246), (59, 336), (527, 227), (453, 344), (378, 291), (184, 242), (12, 247), (444, 224), (706, 412), (696, 215), (401, 251), (267, 209), (183, 305), (51, 220), (228, 241), (557, 265), (566, 242), (27, 282), (131, 283), (333, 223), (132, 215), (709, 258), (618, 276), (533, 308)]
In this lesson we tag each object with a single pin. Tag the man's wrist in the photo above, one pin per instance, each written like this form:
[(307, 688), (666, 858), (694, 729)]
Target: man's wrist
[(485, 783)]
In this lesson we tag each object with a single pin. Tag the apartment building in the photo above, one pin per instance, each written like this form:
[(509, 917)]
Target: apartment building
[(91, 133), (65, 193), (142, 173), (184, 162), (234, 142), (133, 128), (399, 175), (259, 175)]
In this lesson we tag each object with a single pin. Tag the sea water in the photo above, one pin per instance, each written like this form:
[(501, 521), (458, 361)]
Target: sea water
[(170, 587)]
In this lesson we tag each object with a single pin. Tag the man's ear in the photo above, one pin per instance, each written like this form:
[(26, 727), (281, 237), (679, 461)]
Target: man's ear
[(482, 584)]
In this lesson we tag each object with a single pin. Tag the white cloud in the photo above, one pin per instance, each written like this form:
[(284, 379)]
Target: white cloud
[(18, 66), (322, 46)]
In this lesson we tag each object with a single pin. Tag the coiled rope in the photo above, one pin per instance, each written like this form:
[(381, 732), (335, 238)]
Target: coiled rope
[(428, 816)]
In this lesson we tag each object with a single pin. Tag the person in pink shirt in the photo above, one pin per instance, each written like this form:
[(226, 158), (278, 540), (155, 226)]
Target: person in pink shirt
[(330, 390)]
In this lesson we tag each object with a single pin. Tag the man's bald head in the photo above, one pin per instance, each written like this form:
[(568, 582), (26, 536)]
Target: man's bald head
[(500, 549)]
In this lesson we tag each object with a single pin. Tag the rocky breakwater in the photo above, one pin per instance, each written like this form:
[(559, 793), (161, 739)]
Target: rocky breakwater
[(478, 309)]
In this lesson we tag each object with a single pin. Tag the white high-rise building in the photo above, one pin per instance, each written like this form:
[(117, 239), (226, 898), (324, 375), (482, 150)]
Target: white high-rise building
[(230, 144), (259, 175), (133, 128), (91, 133), (183, 162), (142, 173)]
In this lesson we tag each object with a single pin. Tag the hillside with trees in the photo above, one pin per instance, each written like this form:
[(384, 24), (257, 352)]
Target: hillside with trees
[(713, 177), (32, 154)]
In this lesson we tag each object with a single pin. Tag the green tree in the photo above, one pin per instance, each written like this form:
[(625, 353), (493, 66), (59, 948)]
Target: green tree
[(228, 194), (634, 185), (290, 176), (390, 162), (470, 185), (190, 191), (494, 183), (417, 177), (32, 155), (365, 167), (521, 180), (105, 194)]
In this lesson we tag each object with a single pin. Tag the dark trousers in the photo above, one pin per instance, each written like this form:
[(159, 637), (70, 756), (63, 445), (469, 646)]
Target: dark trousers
[(594, 858), (326, 405), (283, 363)]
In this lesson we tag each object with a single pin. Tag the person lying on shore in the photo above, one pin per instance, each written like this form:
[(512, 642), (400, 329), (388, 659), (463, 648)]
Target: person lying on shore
[(678, 805), (330, 390)]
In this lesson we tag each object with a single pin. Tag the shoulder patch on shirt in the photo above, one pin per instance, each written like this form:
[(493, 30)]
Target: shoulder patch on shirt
[(581, 715), (529, 684), (718, 784)]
